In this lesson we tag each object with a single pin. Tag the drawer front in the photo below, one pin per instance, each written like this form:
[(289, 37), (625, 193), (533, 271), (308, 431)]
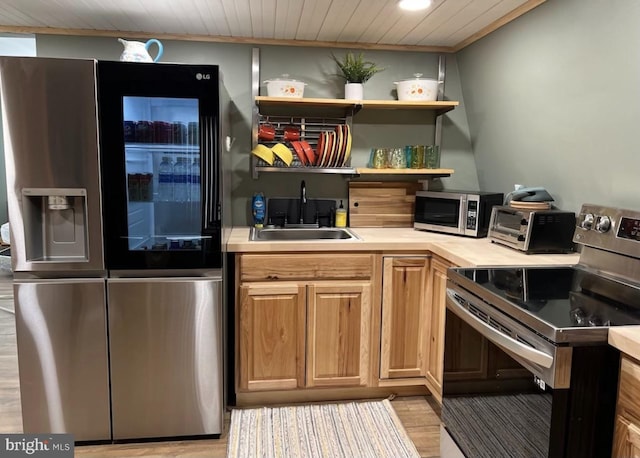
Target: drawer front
[(258, 267)]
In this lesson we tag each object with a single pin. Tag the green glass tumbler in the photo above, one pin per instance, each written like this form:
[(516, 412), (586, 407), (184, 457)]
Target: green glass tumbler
[(432, 157), (417, 157)]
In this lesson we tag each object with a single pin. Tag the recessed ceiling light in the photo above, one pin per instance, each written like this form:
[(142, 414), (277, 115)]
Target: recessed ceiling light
[(414, 5)]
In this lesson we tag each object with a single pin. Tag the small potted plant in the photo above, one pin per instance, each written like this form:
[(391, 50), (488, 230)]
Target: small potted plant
[(356, 71)]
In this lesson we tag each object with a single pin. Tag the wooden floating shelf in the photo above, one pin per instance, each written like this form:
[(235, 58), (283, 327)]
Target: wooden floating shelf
[(355, 171), (266, 101), (439, 107), (438, 172)]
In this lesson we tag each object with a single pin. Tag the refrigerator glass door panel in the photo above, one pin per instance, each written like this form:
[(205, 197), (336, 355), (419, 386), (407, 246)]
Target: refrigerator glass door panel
[(163, 208), (166, 357), (52, 163), (159, 129), (62, 353)]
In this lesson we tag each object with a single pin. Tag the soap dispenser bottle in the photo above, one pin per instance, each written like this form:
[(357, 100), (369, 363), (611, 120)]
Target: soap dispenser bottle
[(258, 210), (341, 216)]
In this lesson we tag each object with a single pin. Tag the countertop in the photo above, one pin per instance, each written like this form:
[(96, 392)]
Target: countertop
[(461, 251), (626, 339)]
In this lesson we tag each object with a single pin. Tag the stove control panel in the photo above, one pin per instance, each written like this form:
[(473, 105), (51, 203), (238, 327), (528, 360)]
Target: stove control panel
[(629, 228), (607, 228)]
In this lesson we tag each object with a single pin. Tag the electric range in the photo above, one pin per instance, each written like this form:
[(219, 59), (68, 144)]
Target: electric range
[(528, 371)]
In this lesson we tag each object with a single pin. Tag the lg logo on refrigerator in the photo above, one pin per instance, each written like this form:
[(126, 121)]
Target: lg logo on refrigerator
[(201, 76)]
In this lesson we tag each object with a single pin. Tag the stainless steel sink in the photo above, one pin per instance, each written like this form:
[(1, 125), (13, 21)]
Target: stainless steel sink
[(294, 234)]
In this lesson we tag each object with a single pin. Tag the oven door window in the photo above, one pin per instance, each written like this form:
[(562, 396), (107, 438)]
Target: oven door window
[(509, 221), (440, 212), (492, 406)]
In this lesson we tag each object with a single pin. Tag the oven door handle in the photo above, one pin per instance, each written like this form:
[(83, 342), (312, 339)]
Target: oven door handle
[(497, 337)]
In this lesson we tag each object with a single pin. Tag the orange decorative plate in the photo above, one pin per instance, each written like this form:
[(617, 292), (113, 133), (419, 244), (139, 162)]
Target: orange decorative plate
[(308, 151), (299, 152)]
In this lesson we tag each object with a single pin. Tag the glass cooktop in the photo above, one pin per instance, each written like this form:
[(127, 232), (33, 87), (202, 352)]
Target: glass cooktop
[(563, 297)]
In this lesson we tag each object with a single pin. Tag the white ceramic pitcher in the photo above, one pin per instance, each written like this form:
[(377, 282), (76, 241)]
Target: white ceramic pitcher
[(136, 51)]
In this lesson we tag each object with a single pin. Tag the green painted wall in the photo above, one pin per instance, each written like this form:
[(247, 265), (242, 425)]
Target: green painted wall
[(553, 100)]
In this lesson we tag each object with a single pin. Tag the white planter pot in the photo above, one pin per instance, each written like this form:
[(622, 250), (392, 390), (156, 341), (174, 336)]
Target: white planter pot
[(354, 91)]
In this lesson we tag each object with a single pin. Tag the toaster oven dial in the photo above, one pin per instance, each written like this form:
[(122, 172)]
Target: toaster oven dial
[(603, 224), (587, 221)]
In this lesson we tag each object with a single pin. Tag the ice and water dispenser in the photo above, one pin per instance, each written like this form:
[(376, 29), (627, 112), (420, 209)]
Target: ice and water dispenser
[(55, 224)]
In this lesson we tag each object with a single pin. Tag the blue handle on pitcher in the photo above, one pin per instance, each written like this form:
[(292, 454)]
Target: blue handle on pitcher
[(148, 44)]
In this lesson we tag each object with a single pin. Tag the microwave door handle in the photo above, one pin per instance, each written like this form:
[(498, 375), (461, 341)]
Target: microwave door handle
[(530, 354), (462, 221)]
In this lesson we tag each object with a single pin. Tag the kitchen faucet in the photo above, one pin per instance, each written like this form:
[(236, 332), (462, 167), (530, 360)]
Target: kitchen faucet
[(303, 201)]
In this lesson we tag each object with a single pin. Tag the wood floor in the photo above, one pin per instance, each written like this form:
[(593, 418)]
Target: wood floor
[(419, 414)]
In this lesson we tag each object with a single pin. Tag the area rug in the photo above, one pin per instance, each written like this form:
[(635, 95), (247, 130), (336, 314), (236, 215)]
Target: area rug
[(354, 429)]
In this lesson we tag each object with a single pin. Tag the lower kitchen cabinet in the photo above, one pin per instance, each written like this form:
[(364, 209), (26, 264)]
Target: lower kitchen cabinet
[(626, 439), (311, 330), (412, 324), (436, 315), (405, 322), (338, 332), (271, 336), (626, 442)]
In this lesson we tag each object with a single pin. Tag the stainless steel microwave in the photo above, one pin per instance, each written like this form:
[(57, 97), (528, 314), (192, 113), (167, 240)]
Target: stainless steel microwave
[(455, 212)]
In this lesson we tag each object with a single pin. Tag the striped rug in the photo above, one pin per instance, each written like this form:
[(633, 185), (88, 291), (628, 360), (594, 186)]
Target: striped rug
[(354, 429)]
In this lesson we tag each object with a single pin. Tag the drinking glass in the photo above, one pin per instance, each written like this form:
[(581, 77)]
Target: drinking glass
[(417, 157), (408, 153), (397, 158), (432, 157), (378, 158)]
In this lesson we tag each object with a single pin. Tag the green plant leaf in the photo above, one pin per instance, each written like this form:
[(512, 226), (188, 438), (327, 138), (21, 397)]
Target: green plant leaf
[(355, 69)]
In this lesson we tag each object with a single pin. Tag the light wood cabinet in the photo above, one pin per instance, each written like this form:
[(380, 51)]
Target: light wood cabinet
[(272, 332), (436, 314), (405, 317), (626, 439), (300, 332), (412, 325), (338, 317)]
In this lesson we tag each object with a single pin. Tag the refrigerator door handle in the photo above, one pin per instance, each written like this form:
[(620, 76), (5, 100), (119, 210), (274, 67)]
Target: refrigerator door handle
[(210, 165)]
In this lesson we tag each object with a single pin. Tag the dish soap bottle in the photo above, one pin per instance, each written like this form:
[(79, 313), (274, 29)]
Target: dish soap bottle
[(341, 216), (258, 210)]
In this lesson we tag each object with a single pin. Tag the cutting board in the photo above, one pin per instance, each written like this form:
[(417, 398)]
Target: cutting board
[(382, 203)]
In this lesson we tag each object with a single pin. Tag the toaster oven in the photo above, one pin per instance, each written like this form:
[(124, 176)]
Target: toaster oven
[(532, 231)]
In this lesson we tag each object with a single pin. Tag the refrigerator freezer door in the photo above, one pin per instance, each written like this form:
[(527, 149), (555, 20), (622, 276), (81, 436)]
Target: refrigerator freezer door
[(166, 356), (62, 353), (52, 164)]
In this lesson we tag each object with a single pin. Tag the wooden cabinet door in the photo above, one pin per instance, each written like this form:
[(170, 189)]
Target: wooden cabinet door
[(271, 336), (405, 321), (338, 333), (626, 439), (437, 309)]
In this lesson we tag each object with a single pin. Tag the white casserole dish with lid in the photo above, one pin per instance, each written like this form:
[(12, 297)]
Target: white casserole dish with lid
[(424, 89), (285, 87)]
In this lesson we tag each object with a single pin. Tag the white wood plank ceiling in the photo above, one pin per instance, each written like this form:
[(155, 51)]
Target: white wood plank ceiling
[(447, 25)]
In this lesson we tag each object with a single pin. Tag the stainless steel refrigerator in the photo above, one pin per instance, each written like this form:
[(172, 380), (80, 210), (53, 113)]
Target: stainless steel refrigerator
[(117, 257)]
